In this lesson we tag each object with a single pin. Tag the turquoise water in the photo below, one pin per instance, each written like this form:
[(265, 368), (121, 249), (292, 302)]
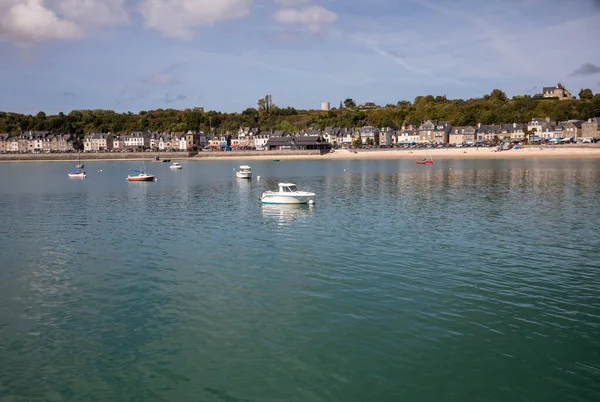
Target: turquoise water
[(469, 280)]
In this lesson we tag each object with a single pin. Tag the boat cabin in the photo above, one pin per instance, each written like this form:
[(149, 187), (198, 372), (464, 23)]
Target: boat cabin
[(287, 188)]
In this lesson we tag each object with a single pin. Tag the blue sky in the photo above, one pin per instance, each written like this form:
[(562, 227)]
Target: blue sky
[(131, 55)]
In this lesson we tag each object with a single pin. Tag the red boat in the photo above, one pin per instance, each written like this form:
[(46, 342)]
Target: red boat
[(427, 161)]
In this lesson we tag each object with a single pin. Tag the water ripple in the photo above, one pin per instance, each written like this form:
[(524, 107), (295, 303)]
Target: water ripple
[(482, 277)]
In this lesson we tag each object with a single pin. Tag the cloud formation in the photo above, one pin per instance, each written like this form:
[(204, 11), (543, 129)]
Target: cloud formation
[(585, 70), (26, 22), (92, 12), (291, 2), (134, 93), (180, 18), (314, 18), (170, 98), (30, 21), (162, 79)]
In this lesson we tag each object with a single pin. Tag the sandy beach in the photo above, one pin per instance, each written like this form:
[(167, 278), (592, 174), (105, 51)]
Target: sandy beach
[(441, 153), (574, 152)]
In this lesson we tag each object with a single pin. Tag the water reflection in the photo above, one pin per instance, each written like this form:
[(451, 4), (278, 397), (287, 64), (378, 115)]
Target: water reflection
[(244, 185), (287, 213)]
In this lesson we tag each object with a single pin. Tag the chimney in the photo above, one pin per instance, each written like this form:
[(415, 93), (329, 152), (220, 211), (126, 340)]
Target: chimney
[(478, 125)]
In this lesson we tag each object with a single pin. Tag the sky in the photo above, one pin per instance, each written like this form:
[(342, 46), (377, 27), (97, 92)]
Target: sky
[(132, 55)]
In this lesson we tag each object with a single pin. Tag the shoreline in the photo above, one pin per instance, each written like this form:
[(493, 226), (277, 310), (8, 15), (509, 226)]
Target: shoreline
[(533, 152)]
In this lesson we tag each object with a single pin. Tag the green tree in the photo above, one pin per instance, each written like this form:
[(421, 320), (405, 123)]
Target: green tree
[(586, 94), (286, 126), (357, 142), (349, 103), (526, 134), (497, 95)]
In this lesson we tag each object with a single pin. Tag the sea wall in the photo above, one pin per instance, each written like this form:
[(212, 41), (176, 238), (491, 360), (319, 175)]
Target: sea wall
[(254, 153), (93, 156), (147, 155)]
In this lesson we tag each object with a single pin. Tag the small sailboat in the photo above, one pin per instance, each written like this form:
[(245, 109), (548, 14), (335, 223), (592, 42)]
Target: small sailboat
[(141, 175), (79, 164), (427, 161)]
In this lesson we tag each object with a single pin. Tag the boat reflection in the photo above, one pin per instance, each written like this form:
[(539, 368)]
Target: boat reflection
[(287, 213)]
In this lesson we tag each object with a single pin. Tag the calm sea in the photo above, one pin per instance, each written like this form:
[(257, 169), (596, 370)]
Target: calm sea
[(469, 280)]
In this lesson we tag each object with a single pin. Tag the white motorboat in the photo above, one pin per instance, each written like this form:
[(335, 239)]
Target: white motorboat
[(76, 174), (288, 194), (175, 165), (245, 172)]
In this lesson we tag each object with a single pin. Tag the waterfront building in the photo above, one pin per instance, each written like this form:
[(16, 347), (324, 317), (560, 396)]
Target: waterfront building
[(591, 128), (386, 135), (98, 142), (462, 135), (408, 134), (3, 141), (573, 129)]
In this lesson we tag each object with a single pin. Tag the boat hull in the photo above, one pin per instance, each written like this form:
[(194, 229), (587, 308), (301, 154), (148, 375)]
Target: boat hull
[(425, 162), (243, 175), (76, 175), (308, 198), (142, 178), (175, 167)]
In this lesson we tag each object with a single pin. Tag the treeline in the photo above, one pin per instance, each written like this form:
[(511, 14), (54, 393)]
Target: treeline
[(494, 108)]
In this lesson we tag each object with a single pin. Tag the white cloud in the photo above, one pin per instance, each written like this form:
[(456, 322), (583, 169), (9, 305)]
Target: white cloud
[(93, 12), (26, 22), (29, 21), (292, 2), (180, 18), (313, 18), (133, 92), (161, 79), (171, 98)]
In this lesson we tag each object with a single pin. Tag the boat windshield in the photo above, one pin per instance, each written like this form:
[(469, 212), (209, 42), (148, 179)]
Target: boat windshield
[(289, 189)]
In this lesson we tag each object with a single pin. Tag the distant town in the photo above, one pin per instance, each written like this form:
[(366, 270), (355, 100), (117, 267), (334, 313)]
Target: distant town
[(385, 127), (538, 130)]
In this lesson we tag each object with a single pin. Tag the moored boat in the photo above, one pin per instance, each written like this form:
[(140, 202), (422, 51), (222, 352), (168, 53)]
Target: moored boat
[(288, 194), (141, 177), (427, 161), (245, 172), (175, 165), (76, 174)]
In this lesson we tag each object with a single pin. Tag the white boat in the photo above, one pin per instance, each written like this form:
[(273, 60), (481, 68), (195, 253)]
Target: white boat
[(141, 177), (288, 194), (175, 165), (76, 174), (245, 172)]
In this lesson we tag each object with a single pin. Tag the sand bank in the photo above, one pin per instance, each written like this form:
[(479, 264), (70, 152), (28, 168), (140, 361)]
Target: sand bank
[(441, 153), (573, 152)]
